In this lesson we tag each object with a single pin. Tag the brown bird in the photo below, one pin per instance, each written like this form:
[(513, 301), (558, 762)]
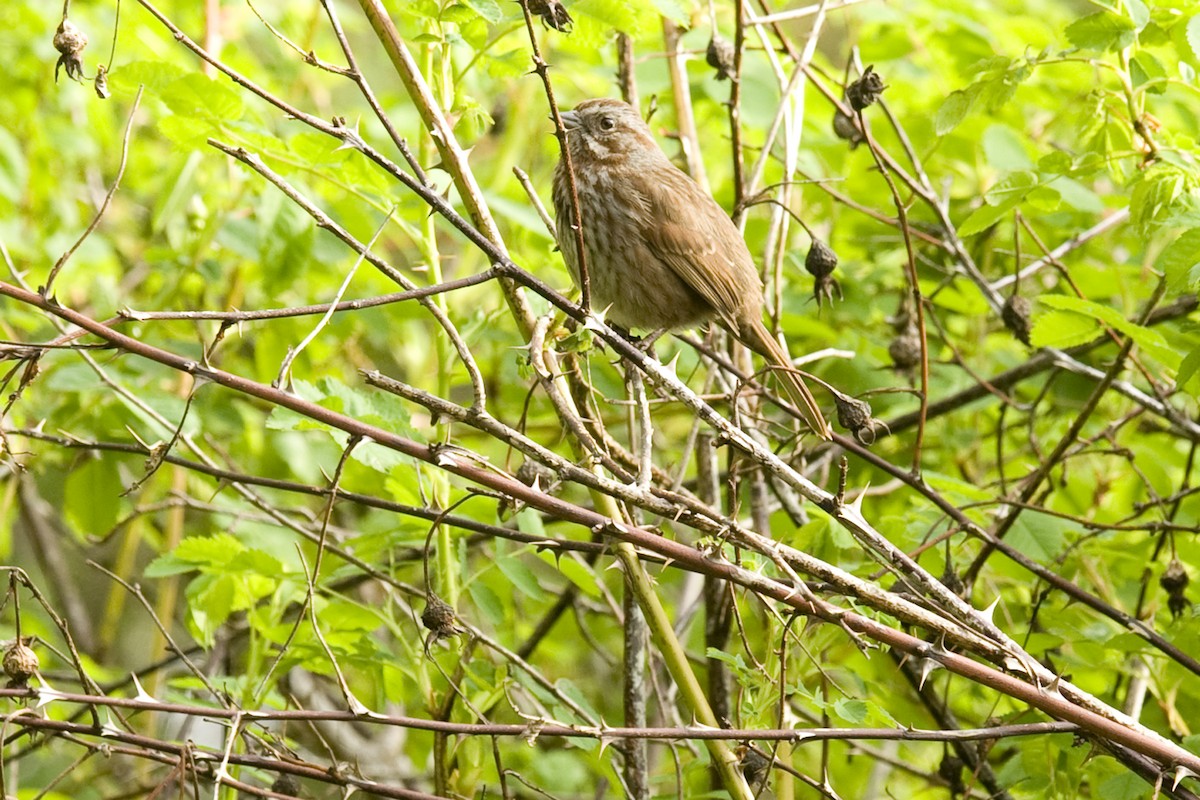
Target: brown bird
[(661, 253)]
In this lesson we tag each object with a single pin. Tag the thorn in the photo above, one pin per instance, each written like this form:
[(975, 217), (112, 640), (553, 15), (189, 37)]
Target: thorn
[(672, 366), (925, 668), (108, 728), (854, 507), (990, 612), (46, 694), (142, 694), (597, 320)]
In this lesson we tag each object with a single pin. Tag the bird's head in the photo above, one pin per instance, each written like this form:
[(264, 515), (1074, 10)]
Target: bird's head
[(605, 129)]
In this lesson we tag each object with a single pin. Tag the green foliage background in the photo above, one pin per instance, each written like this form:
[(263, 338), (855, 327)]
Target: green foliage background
[(1012, 108)]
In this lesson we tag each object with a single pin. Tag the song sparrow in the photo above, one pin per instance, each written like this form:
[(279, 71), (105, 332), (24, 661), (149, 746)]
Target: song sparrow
[(661, 253)]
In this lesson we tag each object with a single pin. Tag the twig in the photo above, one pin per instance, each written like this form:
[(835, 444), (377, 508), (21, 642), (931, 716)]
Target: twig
[(560, 133), (285, 369), (112, 190), (538, 205), (689, 138), (324, 221)]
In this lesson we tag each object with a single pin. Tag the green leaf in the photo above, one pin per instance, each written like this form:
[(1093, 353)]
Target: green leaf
[(1063, 329), (1044, 198), (256, 562), (1039, 536), (487, 601), (1012, 188), (196, 95), (372, 406), (1076, 195), (1143, 69), (612, 13), (852, 711), (1192, 33), (208, 551), (166, 565), (341, 615), (189, 133), (93, 497), (1146, 338), (983, 218), (1137, 12), (154, 75), (510, 64), (210, 602), (1004, 149), (1180, 261), (952, 111), (366, 405), (573, 571), (1123, 786), (1188, 369), (488, 9), (1103, 30), (521, 576), (530, 521), (1000, 199), (672, 9), (1055, 163), (571, 691), (1154, 195)]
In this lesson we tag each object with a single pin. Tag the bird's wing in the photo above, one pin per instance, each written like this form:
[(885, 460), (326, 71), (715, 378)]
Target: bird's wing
[(692, 235)]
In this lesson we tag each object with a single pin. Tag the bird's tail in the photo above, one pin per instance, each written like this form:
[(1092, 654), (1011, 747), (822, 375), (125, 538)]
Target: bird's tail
[(759, 339)]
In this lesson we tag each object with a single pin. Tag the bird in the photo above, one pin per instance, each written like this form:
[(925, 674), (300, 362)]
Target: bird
[(661, 253)]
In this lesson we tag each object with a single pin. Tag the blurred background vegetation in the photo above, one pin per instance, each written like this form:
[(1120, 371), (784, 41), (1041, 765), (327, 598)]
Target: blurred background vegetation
[(1032, 122)]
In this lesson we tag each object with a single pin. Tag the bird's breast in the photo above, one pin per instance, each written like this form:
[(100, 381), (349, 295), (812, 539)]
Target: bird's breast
[(625, 275)]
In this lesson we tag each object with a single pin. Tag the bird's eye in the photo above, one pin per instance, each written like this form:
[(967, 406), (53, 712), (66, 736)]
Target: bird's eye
[(607, 123)]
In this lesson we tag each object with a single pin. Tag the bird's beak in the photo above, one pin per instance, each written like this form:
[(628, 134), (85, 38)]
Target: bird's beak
[(570, 120)]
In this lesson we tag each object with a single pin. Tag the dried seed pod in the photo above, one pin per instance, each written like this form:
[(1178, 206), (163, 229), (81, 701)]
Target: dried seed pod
[(952, 580), (439, 618), (821, 260), (866, 434), (100, 84), (855, 416), (1175, 577), (69, 41), (553, 14), (950, 770), (720, 56), (755, 767), (820, 263), (1174, 581), (1015, 314), (20, 664), (866, 90), (852, 413), (824, 288), (531, 471), (844, 127), (285, 784), (905, 349)]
